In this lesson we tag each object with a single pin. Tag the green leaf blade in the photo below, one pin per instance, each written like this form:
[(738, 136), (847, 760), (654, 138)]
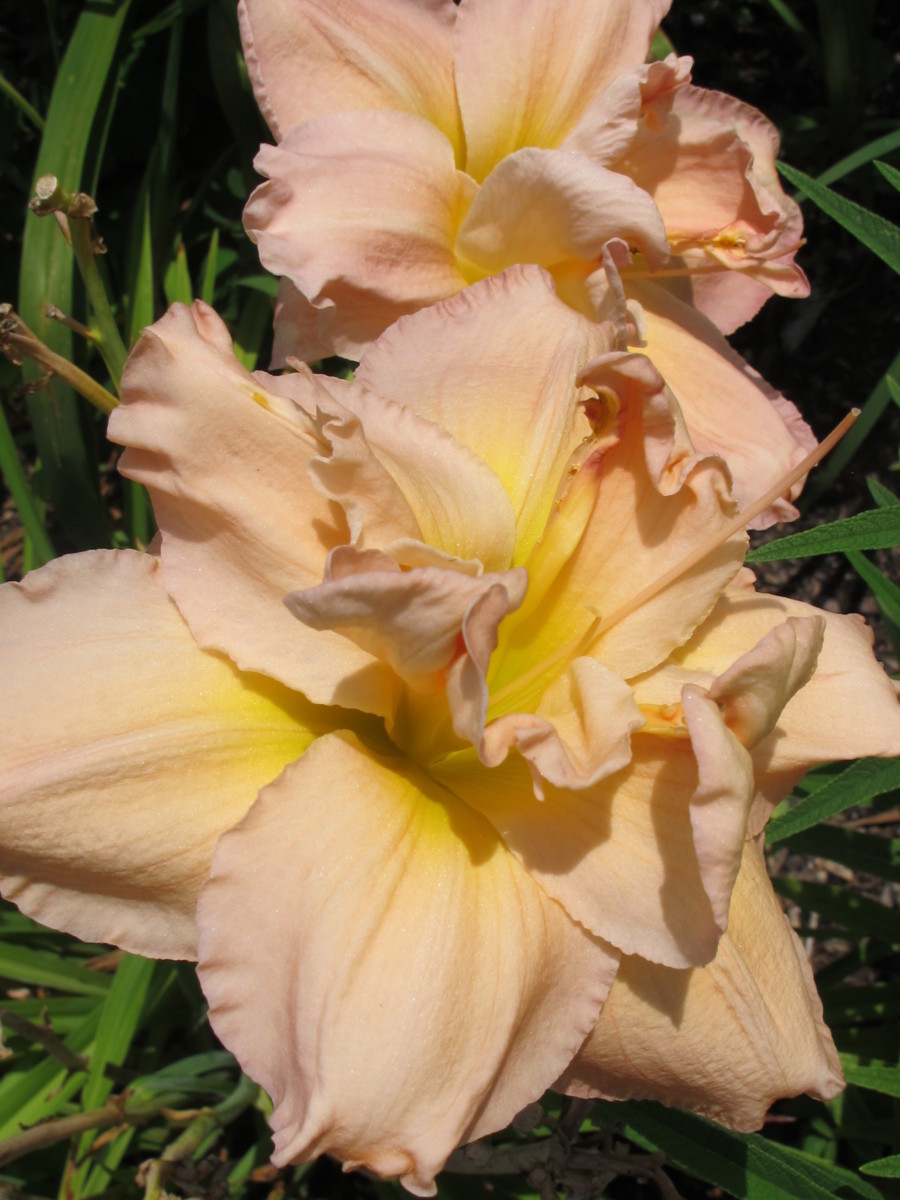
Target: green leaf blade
[(879, 235), (877, 529), (859, 784)]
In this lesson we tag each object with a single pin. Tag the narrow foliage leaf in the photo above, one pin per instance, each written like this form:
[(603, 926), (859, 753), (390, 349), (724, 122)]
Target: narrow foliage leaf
[(47, 269), (885, 592), (858, 784), (883, 1168), (873, 530), (891, 174), (862, 916), (882, 496), (879, 235), (40, 969), (867, 852), (881, 145), (877, 1076), (745, 1165)]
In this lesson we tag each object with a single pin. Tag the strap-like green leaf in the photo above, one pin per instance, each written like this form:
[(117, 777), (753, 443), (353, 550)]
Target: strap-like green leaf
[(47, 269), (886, 593), (883, 1168), (42, 969), (867, 852), (873, 530), (881, 237), (119, 1021), (878, 1076), (863, 916), (882, 496), (747, 1166), (891, 174)]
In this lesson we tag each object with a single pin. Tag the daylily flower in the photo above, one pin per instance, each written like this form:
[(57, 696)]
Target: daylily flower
[(448, 712), (424, 146)]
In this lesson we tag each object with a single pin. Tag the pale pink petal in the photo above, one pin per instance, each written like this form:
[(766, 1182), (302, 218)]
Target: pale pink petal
[(225, 460), (628, 517), (721, 803), (645, 857), (728, 298), (350, 473), (409, 619), (746, 697), (753, 691), (709, 165), (579, 733), (308, 58), (125, 751), (496, 366), (772, 256), (729, 409), (725, 1040), (550, 207), (385, 455), (614, 116), (420, 988), (302, 331), (847, 710), (526, 70), (361, 211)]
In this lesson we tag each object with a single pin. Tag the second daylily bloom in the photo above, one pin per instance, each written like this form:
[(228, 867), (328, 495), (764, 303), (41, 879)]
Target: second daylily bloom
[(422, 147), (395, 723)]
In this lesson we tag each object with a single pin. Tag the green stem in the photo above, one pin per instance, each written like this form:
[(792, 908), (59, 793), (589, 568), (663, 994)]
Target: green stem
[(18, 342), (205, 1125), (48, 1133), (109, 342), (17, 98)]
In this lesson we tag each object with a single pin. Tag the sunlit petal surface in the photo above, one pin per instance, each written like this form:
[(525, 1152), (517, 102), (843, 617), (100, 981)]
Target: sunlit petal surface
[(446, 691), (724, 1040), (504, 132)]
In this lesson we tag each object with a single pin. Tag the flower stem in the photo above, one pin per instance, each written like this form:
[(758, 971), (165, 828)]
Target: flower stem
[(18, 342)]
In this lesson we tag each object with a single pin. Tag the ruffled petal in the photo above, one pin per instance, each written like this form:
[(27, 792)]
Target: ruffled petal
[(496, 366), (815, 725), (527, 70), (224, 458), (409, 619), (308, 58), (726, 1040), (579, 733), (614, 116), (400, 476), (126, 751), (755, 689), (709, 164), (302, 331), (361, 212), (643, 506), (644, 858), (729, 409), (380, 1035), (550, 207)]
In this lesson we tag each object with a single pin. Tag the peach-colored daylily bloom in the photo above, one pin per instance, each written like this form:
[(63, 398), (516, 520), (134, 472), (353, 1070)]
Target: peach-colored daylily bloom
[(394, 723), (424, 146)]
